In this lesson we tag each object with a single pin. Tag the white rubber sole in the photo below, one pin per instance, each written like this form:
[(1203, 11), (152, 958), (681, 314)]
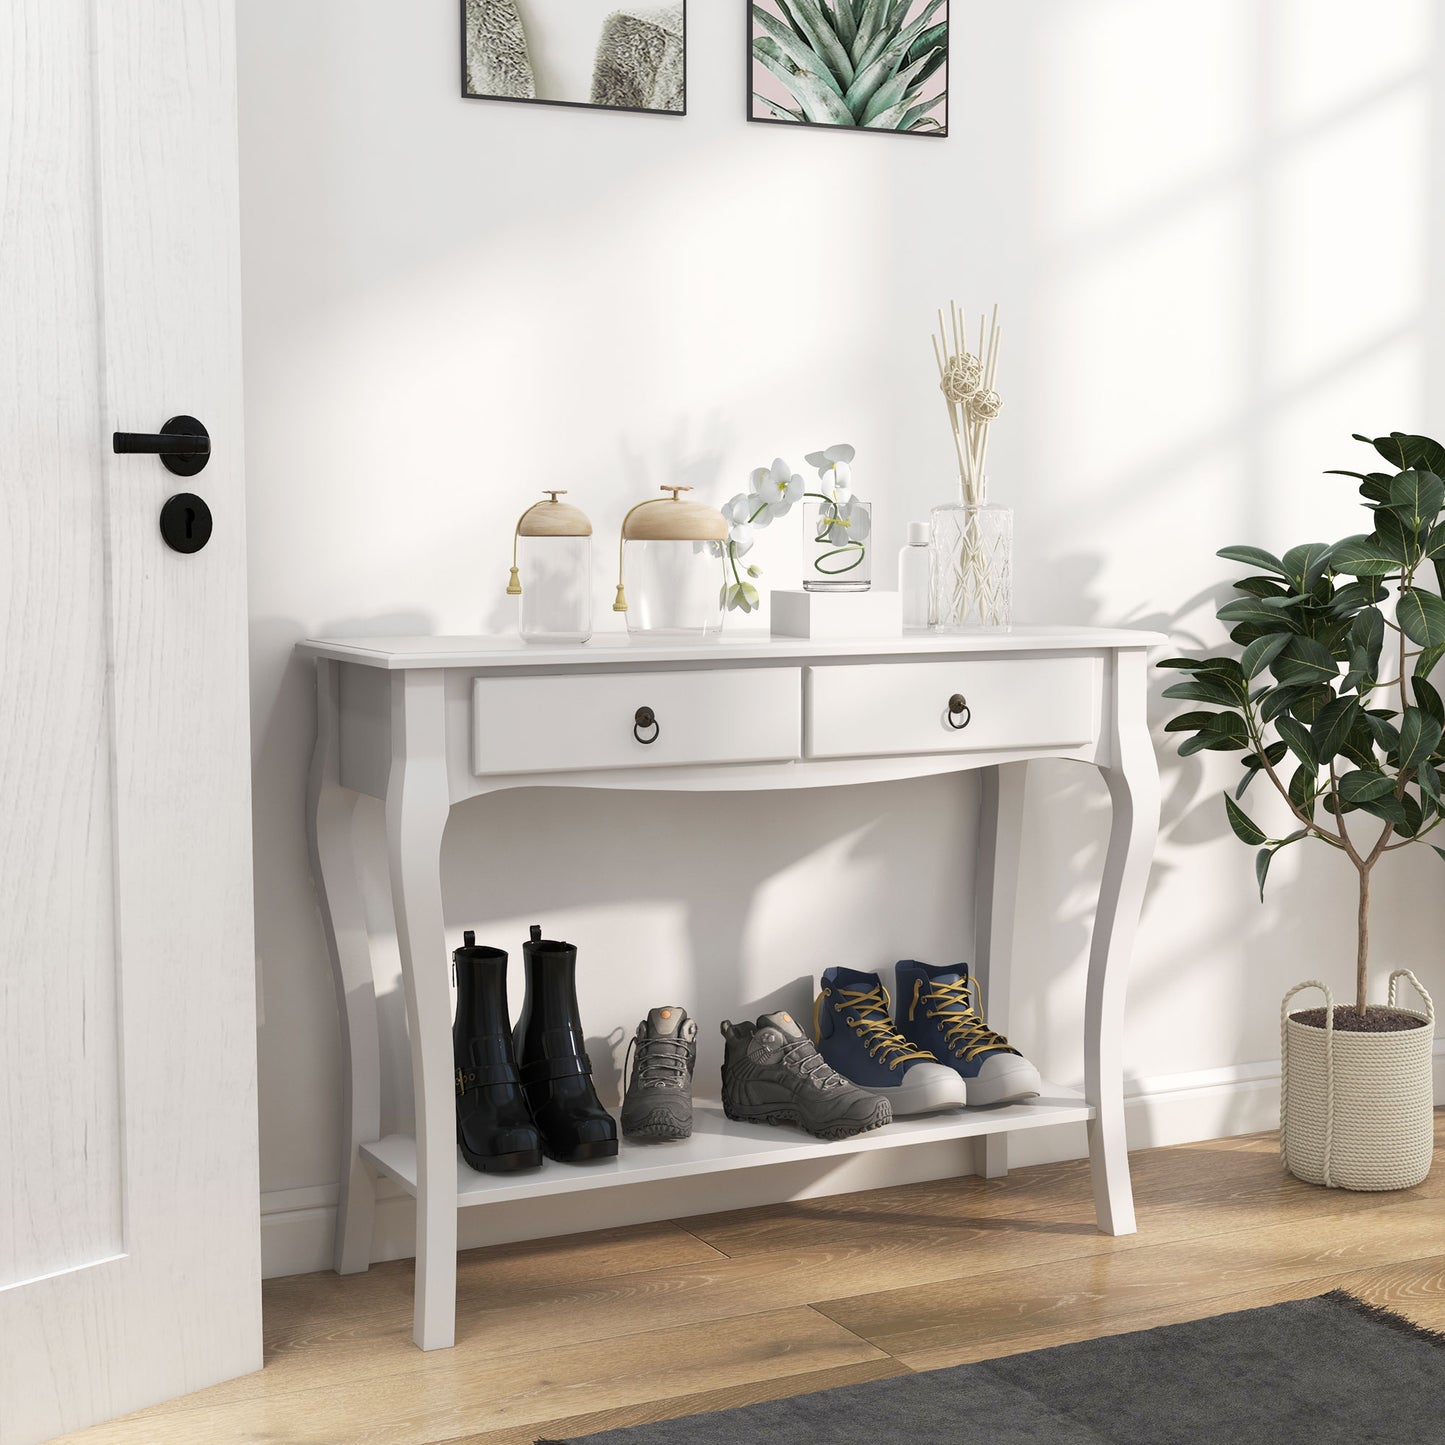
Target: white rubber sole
[(927, 1088), (1005, 1079)]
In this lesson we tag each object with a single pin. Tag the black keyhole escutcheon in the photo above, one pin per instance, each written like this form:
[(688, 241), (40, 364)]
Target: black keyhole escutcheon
[(186, 522)]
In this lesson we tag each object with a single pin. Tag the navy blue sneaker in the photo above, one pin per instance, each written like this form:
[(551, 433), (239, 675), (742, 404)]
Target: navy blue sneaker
[(856, 1037), (937, 1011)]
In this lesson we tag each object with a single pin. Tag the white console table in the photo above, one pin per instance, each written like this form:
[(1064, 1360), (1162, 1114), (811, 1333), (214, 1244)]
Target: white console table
[(427, 723)]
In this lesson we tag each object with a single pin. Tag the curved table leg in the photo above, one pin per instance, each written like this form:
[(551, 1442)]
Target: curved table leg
[(1000, 841), (417, 803), (330, 817), (1133, 779)]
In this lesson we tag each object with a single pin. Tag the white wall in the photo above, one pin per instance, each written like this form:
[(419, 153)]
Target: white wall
[(1207, 226)]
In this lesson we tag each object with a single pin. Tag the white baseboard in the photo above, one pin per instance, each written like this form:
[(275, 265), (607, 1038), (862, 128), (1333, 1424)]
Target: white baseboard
[(298, 1225)]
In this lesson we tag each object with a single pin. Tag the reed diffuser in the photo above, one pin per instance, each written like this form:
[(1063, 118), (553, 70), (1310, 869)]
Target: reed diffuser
[(971, 540)]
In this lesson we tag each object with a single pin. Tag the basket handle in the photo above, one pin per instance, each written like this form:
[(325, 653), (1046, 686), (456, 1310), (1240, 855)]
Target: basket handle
[(1329, 1070), (1419, 987)]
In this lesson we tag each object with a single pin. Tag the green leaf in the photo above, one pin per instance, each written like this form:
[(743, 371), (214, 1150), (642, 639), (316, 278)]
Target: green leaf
[(818, 100), (1297, 739), (1226, 665), (1428, 661), (1303, 660), (1427, 699), (1417, 497), (1404, 451), (798, 51), (1374, 486), (1421, 616), (1362, 786), (1429, 780), (1218, 731), (1387, 810), (1397, 537), (1364, 556), (1261, 652), (894, 60), (1258, 612), (1305, 565), (1261, 868), (809, 18), (1332, 726), (1254, 557), (1419, 737), (780, 111), (1383, 732), (1434, 543), (1261, 587), (1367, 634), (1206, 689), (891, 100), (1306, 707), (1245, 830), (1304, 788), (1189, 722), (1354, 595)]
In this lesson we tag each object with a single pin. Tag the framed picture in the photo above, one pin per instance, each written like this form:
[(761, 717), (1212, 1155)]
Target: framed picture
[(878, 65), (605, 54)]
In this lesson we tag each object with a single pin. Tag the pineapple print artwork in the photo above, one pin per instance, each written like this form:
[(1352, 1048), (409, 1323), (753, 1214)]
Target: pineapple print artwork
[(866, 64)]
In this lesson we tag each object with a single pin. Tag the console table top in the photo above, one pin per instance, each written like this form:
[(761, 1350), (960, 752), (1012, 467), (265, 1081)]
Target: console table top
[(612, 648)]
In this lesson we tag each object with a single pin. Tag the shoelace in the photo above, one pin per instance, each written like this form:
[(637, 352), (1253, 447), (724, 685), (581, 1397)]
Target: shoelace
[(804, 1059), (870, 1015), (659, 1060), (964, 1030)]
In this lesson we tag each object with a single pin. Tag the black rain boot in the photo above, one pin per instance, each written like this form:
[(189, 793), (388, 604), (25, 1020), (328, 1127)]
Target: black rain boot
[(495, 1130), (555, 1069)]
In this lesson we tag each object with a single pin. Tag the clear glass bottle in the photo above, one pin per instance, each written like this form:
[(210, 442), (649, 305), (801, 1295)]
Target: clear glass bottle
[(552, 572), (915, 578), (670, 570), (972, 552), (837, 545)]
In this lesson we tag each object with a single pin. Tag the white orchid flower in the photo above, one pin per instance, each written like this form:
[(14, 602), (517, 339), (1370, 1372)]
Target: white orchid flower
[(850, 523), (834, 470), (741, 509), (741, 597), (777, 488), (742, 535)]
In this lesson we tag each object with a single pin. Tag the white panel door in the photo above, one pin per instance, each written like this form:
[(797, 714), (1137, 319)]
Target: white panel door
[(129, 1239)]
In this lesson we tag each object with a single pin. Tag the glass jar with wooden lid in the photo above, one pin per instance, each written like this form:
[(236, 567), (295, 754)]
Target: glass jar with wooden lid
[(670, 569), (552, 572)]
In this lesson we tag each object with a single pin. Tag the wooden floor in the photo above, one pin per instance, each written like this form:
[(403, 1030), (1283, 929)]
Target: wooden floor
[(596, 1331)]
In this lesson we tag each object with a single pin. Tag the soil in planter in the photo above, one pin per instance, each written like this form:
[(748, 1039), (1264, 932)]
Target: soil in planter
[(1348, 1019)]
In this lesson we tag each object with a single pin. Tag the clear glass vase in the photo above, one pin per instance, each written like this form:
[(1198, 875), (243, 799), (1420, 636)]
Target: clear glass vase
[(972, 557), (837, 545)]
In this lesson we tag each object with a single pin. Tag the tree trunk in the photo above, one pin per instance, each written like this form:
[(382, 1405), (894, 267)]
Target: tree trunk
[(1362, 953)]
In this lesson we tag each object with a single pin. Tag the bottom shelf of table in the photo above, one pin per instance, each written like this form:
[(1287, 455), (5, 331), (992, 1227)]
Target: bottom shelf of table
[(719, 1144)]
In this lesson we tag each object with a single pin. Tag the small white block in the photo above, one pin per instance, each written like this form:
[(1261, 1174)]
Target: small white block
[(837, 615)]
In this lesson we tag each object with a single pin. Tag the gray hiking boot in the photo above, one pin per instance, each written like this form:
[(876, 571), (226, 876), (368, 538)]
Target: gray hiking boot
[(772, 1074), (659, 1088)]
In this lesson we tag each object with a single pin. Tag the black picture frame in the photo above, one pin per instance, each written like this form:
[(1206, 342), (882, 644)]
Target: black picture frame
[(753, 63), (467, 93)]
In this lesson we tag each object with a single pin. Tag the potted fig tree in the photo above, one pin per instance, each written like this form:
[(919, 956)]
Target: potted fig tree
[(1326, 696)]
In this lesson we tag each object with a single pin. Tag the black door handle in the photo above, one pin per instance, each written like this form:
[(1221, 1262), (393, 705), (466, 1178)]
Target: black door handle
[(182, 444)]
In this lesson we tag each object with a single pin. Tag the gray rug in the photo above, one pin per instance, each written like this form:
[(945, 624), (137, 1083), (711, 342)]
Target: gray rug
[(1314, 1372)]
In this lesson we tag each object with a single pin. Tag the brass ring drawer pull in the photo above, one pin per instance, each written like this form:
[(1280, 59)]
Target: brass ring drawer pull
[(959, 712), (644, 720)]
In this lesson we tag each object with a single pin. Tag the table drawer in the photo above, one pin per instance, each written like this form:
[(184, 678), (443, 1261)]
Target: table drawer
[(582, 721), (892, 708)]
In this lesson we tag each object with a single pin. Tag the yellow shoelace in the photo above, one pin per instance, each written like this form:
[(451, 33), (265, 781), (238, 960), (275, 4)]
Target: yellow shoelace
[(964, 1030), (867, 1011)]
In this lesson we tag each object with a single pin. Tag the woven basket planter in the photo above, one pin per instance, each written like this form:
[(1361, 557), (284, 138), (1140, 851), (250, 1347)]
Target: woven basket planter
[(1357, 1109)]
